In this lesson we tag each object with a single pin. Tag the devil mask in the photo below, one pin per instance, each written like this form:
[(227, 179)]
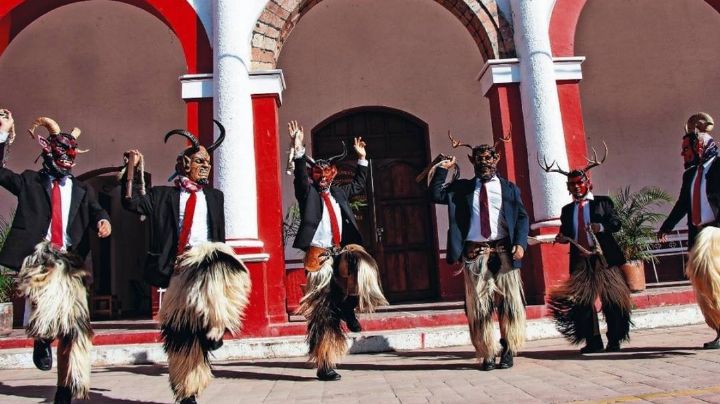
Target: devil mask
[(697, 145), (484, 157), (578, 182), (323, 171), (194, 162), (59, 150)]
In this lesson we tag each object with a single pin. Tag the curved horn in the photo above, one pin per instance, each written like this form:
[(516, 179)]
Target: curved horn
[(340, 156), (189, 136), (220, 138), (75, 133), (52, 126)]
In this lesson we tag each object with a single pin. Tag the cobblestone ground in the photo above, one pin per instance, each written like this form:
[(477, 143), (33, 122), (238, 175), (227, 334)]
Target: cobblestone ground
[(661, 365)]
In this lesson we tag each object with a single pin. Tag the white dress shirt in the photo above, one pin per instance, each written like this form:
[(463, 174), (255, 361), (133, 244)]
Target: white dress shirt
[(706, 213), (66, 186), (498, 225), (4, 136), (199, 228), (323, 233)]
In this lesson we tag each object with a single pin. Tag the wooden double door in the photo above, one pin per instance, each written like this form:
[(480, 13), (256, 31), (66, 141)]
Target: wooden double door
[(394, 216)]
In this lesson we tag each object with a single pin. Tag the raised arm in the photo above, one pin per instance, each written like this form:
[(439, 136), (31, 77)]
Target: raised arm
[(301, 180), (136, 201), (437, 191), (8, 179)]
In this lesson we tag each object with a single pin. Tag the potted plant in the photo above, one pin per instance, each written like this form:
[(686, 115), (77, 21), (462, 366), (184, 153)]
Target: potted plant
[(6, 286), (637, 214)]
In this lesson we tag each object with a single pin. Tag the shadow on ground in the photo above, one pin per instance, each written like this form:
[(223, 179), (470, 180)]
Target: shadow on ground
[(626, 353), (47, 393)]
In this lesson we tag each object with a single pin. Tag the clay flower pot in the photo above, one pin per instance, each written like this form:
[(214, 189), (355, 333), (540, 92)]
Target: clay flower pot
[(634, 274)]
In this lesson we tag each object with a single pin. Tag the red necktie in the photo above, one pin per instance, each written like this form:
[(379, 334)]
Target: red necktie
[(581, 225), (333, 219), (484, 212), (56, 224), (696, 213), (187, 222)]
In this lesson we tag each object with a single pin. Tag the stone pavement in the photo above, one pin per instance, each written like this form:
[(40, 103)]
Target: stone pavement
[(658, 365)]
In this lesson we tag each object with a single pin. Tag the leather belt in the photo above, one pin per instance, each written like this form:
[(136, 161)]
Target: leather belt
[(472, 249)]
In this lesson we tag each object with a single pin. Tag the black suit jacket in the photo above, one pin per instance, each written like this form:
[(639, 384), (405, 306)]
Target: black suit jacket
[(602, 211), (161, 205), (33, 214), (458, 195), (311, 205), (683, 205)]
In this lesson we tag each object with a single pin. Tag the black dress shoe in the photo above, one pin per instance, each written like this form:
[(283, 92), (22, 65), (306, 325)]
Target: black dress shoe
[(506, 358), (488, 364), (63, 395), (42, 354), (714, 344), (613, 346), (328, 375)]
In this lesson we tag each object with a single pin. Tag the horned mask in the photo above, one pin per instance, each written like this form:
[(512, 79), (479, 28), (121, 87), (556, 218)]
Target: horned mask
[(59, 149), (484, 157), (578, 182), (194, 161), (323, 171)]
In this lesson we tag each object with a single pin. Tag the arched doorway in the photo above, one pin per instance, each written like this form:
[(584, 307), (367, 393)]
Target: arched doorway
[(394, 216)]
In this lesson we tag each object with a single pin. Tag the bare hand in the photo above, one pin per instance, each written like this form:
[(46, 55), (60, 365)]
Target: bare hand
[(448, 164), (595, 227), (7, 122), (296, 133), (133, 156), (104, 228), (518, 252), (662, 236), (359, 146), (560, 238)]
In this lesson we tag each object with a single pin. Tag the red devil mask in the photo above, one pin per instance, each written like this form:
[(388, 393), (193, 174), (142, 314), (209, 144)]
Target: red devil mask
[(323, 172), (578, 182)]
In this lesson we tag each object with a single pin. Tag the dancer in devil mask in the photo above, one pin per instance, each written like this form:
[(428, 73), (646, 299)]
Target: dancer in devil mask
[(48, 241), (700, 201), (488, 232), (341, 275), (588, 223), (207, 286)]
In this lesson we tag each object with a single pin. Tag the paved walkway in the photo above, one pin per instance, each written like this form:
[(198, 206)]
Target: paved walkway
[(659, 365)]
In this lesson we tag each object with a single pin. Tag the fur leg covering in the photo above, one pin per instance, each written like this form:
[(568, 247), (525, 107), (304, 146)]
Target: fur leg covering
[(53, 281), (370, 294), (703, 270), (572, 302), (480, 289), (207, 295), (511, 308), (320, 306)]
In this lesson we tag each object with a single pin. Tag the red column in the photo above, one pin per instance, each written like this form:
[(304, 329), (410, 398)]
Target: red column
[(267, 301)]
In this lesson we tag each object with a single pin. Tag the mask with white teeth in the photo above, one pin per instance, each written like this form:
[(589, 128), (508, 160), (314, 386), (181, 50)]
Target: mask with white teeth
[(194, 163), (59, 149)]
